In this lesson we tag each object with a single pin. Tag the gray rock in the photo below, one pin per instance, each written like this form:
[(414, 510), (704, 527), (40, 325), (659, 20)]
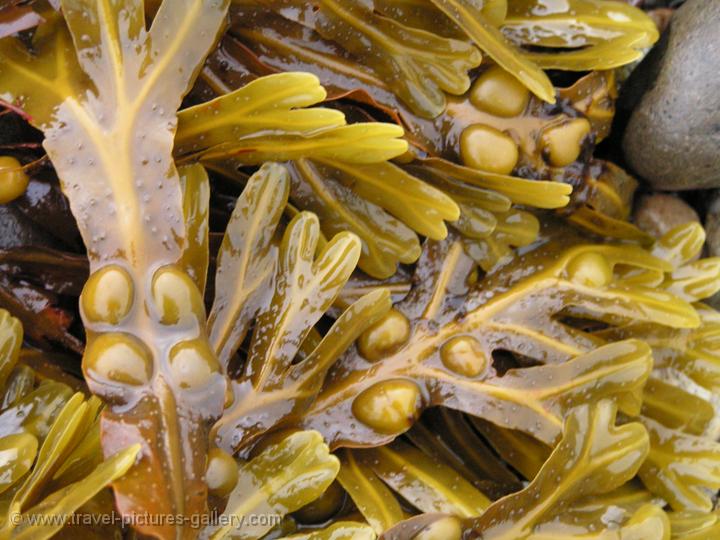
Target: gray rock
[(673, 137), (658, 213), (712, 224)]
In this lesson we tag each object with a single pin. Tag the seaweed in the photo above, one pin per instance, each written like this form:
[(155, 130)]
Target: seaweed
[(348, 264), (436, 346), (50, 442), (595, 456), (272, 386)]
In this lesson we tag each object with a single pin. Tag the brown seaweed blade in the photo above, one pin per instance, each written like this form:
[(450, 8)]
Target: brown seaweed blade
[(282, 478), (680, 408), (348, 182), (436, 346), (593, 457), (583, 34), (418, 65), (272, 388), (108, 112), (470, 18), (52, 461)]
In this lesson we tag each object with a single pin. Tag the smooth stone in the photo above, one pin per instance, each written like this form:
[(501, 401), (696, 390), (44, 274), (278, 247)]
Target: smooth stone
[(712, 225), (657, 213), (673, 137)]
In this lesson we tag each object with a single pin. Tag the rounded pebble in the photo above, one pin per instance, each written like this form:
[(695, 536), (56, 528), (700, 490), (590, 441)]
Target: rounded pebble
[(672, 100), (658, 213)]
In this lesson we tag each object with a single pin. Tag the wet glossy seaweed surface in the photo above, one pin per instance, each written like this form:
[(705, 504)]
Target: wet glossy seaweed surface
[(351, 265)]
